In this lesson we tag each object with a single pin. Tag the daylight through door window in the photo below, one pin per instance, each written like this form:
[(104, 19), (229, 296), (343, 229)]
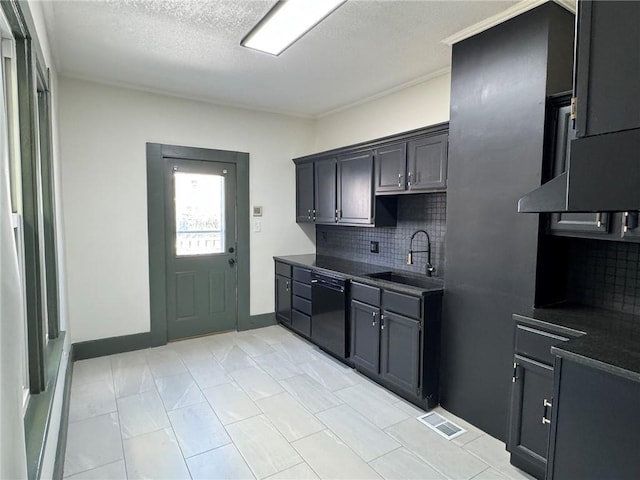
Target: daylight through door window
[(199, 206)]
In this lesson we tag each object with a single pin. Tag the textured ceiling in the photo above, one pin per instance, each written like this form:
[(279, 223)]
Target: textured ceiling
[(192, 49)]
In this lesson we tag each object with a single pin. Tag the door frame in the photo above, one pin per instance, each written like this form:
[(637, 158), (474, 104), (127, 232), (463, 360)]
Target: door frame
[(157, 159)]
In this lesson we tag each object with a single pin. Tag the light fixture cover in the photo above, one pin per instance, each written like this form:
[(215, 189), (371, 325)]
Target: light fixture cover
[(286, 22)]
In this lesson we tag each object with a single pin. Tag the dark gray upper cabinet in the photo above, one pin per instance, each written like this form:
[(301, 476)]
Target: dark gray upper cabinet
[(427, 163), (607, 72), (305, 206), (357, 185), (400, 351), (355, 188), (391, 168), (325, 190), (560, 134), (365, 336), (418, 165), (630, 226)]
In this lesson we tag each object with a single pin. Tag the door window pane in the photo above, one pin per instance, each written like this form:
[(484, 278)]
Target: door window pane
[(200, 222)]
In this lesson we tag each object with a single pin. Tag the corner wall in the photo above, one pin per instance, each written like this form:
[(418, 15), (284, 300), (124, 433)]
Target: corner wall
[(418, 106), (104, 131)]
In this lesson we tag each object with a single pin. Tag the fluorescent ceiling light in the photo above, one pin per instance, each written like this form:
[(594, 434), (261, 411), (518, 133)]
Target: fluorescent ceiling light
[(286, 22)]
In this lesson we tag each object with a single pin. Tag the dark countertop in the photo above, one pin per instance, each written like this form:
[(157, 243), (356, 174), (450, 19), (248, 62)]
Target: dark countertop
[(604, 339), (357, 271)]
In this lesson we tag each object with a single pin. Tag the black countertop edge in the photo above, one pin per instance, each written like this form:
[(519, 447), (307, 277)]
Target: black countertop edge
[(357, 271), (595, 363), (602, 339)]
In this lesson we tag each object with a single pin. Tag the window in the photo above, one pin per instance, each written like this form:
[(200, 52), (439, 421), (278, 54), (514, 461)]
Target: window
[(199, 206)]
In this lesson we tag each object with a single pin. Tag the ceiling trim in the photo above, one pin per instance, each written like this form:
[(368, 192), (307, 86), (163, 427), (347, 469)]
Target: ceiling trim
[(193, 98), (389, 91), (514, 11)]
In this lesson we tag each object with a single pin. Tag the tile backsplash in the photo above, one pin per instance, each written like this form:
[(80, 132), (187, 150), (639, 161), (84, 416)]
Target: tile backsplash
[(420, 211), (605, 274)]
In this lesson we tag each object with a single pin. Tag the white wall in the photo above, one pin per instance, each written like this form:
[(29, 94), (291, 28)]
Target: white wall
[(103, 134), (418, 106)]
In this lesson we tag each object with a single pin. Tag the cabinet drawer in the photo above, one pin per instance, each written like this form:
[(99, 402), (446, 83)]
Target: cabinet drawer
[(406, 305), (536, 344), (365, 294), (301, 289), (283, 269), (301, 322), (302, 305), (302, 275)]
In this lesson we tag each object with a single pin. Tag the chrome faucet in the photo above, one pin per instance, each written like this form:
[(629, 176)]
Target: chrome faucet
[(430, 268)]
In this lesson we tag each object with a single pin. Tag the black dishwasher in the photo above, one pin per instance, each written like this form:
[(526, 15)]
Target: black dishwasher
[(329, 318)]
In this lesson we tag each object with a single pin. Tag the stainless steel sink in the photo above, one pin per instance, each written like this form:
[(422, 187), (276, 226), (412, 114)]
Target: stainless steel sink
[(408, 279)]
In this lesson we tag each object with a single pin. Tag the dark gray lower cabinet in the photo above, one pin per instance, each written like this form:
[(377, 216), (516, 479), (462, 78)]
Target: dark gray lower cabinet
[(594, 430), (301, 301), (400, 351), (283, 299), (531, 398), (365, 336), (528, 436), (396, 341)]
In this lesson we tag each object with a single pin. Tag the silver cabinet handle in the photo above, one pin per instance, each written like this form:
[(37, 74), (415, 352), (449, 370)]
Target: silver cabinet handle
[(409, 179), (373, 323), (309, 214), (546, 404), (400, 180), (599, 220), (287, 286)]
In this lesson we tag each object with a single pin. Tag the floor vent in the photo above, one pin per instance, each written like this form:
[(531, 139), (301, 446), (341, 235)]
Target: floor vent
[(441, 425)]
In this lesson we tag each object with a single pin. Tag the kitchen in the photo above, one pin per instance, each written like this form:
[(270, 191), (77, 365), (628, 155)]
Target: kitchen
[(496, 263)]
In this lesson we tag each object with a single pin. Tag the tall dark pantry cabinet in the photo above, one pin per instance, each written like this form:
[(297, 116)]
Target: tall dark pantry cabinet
[(500, 81)]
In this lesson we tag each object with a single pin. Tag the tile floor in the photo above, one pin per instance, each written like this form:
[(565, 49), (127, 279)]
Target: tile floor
[(256, 404)]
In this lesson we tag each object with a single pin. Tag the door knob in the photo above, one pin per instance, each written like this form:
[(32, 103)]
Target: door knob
[(232, 261)]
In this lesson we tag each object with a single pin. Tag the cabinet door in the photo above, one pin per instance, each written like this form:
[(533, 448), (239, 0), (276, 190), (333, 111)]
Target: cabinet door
[(593, 223), (391, 166), (608, 67), (355, 188), (365, 336), (283, 299), (427, 163), (400, 351), (305, 212), (528, 437), (594, 430), (325, 190)]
